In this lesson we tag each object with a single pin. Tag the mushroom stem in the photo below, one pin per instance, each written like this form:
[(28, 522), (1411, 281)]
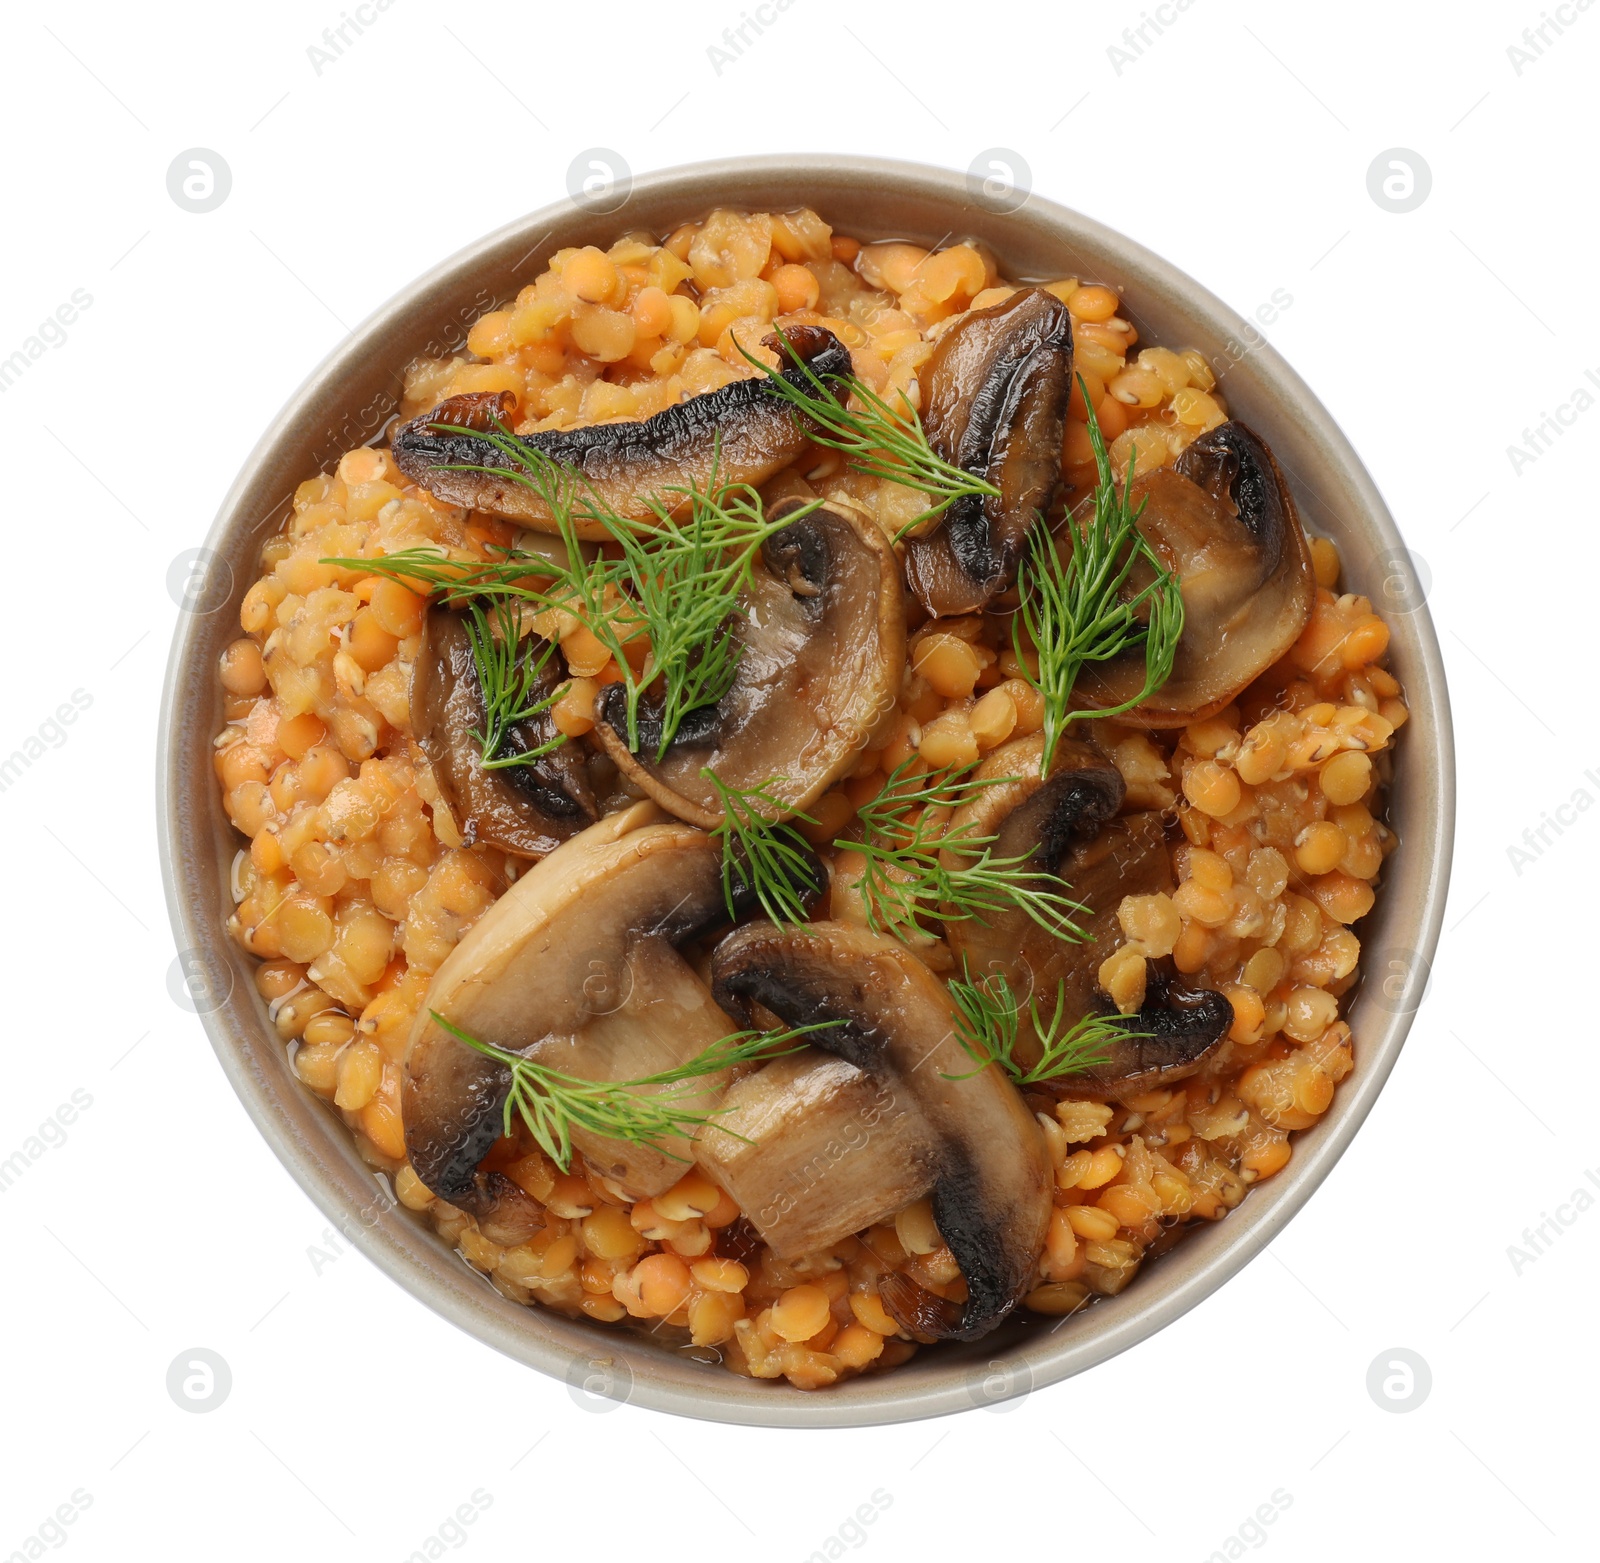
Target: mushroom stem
[(814, 1149)]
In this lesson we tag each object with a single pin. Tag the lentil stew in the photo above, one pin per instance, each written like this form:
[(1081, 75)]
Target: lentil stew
[(1258, 818)]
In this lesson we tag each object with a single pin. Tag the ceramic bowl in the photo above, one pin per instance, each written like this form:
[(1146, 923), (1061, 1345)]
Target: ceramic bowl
[(351, 398)]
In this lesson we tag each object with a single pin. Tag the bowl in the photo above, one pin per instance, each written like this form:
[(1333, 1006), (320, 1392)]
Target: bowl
[(350, 399)]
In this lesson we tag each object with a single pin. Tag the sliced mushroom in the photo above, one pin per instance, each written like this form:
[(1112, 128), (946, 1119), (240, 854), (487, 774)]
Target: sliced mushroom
[(577, 967), (529, 809), (896, 1023), (1223, 518), (1169, 1038), (1036, 818), (1065, 825), (813, 1149), (508, 1215), (742, 433), (823, 637), (997, 389)]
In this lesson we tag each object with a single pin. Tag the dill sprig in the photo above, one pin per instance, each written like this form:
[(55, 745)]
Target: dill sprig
[(990, 1022), (1073, 608), (676, 582), (684, 579), (492, 593), (876, 438), (918, 868), (509, 677), (679, 581), (460, 581), (552, 1103), (758, 852)]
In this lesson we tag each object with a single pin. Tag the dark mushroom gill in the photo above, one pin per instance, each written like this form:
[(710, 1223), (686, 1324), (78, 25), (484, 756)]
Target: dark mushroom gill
[(1169, 1037), (1067, 826)]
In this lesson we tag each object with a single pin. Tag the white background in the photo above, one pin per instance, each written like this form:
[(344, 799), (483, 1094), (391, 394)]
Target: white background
[(1238, 146)]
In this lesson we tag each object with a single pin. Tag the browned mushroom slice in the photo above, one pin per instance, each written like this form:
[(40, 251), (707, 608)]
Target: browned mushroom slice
[(1223, 518), (895, 1021), (822, 631), (507, 1214), (576, 966), (527, 809), (997, 388), (813, 1149), (1173, 1033), (742, 433), (1040, 819), (1064, 825)]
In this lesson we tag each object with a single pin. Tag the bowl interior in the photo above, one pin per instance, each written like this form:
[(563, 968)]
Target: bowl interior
[(351, 398)]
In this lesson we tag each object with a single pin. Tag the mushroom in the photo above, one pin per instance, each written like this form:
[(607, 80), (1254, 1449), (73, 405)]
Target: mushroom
[(742, 433), (822, 631), (1223, 519), (988, 1171), (576, 966), (1066, 825), (527, 809), (1169, 1038), (813, 1149), (996, 389)]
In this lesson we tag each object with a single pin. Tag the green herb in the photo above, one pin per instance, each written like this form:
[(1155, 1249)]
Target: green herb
[(877, 438), (918, 868), (1074, 610), (552, 1103), (772, 859), (460, 581), (509, 674), (677, 582), (990, 1020), (685, 580)]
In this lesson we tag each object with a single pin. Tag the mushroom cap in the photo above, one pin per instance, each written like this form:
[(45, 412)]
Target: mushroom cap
[(1222, 517), (740, 433), (997, 386), (575, 966), (527, 810), (896, 1022), (823, 640), (1066, 825)]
